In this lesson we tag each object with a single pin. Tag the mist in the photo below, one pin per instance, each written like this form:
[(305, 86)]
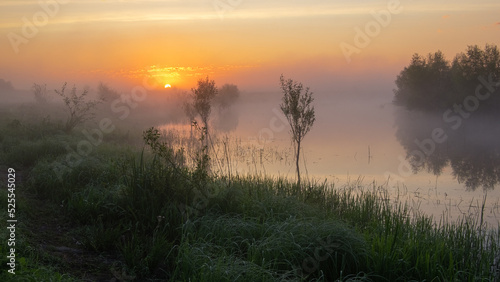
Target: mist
[(358, 130), (250, 140), (432, 144)]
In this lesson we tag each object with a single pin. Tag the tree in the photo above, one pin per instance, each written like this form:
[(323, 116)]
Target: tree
[(469, 66), (425, 83), (107, 94), (296, 105), (227, 96), (6, 86), (432, 83), (40, 92), (227, 117), (190, 113), (80, 110), (202, 100)]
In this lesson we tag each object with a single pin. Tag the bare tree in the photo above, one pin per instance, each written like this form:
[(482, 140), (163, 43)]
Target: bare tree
[(299, 112), (80, 110)]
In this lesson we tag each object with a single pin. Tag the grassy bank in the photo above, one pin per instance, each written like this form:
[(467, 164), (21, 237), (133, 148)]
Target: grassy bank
[(132, 213)]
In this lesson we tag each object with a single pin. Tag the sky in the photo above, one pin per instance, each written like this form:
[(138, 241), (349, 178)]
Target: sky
[(245, 42)]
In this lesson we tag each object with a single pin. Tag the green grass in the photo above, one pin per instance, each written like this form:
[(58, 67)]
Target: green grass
[(161, 220)]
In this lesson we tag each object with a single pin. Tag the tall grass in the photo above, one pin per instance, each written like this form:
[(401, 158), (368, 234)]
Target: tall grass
[(169, 221)]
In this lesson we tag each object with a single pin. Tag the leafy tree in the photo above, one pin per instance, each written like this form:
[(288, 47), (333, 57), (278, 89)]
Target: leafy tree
[(106, 93), (201, 105), (424, 84), (227, 118), (469, 66), (80, 110), (227, 96), (206, 97), (296, 105), (202, 99), (433, 83)]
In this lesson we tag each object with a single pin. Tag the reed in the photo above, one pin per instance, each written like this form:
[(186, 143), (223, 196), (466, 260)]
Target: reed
[(165, 219)]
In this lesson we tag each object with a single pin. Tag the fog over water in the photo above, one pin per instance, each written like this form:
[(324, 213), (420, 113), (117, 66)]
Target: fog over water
[(360, 136)]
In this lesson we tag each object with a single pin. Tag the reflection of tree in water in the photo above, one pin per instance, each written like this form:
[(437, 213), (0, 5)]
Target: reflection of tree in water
[(479, 168), (472, 150)]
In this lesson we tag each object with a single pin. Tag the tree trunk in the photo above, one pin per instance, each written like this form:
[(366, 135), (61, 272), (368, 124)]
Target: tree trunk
[(297, 163), (206, 136)]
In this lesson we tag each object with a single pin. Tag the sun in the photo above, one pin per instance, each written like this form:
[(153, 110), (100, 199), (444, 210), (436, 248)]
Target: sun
[(168, 85)]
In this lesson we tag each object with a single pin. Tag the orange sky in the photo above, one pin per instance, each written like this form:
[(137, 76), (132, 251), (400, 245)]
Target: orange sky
[(246, 42)]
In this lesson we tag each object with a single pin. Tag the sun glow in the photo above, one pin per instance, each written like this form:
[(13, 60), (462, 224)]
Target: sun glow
[(168, 85)]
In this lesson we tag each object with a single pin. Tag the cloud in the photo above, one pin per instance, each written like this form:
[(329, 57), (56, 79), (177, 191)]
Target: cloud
[(491, 26)]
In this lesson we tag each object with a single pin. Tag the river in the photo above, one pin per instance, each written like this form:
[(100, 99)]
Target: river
[(434, 166)]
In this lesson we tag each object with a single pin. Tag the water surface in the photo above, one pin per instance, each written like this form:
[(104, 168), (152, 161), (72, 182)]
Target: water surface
[(418, 158)]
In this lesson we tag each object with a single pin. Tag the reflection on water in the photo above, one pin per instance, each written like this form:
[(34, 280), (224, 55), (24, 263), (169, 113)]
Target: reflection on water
[(354, 141), (230, 154), (471, 148)]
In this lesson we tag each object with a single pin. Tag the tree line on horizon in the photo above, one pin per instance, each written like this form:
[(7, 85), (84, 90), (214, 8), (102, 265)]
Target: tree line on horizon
[(433, 83)]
